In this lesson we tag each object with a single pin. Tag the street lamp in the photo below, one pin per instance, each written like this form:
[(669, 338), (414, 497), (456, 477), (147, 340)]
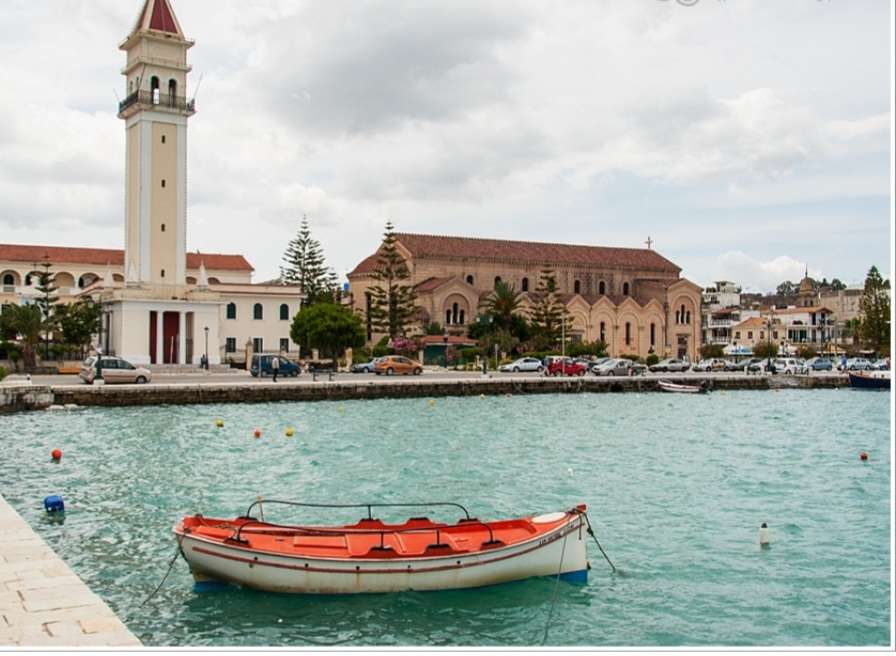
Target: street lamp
[(768, 365), (206, 347), (445, 341), (563, 345)]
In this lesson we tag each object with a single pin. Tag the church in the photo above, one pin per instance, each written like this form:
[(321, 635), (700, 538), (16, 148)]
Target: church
[(161, 304), (633, 299)]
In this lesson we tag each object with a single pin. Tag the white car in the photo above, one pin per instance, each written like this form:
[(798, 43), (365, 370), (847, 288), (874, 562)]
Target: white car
[(523, 364), (790, 366)]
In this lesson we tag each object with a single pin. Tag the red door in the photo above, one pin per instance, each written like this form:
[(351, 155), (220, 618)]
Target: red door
[(171, 337), (152, 337)]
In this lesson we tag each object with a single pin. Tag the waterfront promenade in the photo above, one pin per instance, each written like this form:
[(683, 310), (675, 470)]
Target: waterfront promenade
[(43, 603), (36, 396)]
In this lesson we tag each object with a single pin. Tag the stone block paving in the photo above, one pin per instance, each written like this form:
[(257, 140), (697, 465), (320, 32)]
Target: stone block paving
[(43, 603)]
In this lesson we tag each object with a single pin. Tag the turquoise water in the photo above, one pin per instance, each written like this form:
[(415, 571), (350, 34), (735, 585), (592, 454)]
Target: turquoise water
[(676, 485)]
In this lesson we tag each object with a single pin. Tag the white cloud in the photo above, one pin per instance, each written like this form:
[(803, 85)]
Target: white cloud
[(761, 276)]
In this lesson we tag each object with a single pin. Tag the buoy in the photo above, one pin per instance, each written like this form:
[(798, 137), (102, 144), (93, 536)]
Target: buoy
[(863, 456), (54, 504), (257, 432), (482, 396), (219, 423), (763, 535), (56, 455), (290, 431), (432, 403), (341, 408)]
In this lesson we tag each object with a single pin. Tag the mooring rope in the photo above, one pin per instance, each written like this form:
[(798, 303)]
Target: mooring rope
[(597, 542), (547, 624)]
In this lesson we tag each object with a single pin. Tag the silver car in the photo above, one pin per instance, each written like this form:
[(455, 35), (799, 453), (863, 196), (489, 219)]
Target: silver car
[(523, 364), (114, 370), (614, 367)]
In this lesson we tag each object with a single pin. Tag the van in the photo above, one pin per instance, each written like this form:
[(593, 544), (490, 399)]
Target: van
[(261, 366)]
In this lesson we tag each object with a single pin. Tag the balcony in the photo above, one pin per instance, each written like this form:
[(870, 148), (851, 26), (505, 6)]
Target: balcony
[(158, 101), (721, 323)]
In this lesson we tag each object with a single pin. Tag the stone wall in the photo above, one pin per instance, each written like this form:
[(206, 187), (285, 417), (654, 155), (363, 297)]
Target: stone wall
[(14, 398)]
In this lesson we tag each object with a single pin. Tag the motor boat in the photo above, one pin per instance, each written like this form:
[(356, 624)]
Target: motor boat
[(666, 386), (869, 379), (375, 556)]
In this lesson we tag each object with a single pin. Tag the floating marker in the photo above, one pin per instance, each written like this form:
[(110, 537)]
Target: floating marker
[(56, 455), (763, 535), (257, 432), (219, 423), (432, 403), (54, 504), (290, 431), (863, 456)]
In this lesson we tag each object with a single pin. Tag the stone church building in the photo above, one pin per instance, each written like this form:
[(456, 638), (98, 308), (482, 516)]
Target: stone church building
[(633, 299)]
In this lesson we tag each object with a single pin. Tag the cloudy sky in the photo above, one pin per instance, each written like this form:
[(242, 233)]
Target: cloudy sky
[(748, 139)]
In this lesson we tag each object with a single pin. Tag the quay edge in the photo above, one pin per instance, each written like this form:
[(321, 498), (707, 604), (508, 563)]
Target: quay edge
[(36, 397)]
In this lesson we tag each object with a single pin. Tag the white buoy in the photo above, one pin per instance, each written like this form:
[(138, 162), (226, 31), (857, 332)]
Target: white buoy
[(763, 535)]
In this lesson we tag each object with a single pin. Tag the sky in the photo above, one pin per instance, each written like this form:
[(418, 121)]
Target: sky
[(747, 139)]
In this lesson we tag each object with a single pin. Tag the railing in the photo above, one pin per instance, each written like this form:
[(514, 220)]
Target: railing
[(158, 99)]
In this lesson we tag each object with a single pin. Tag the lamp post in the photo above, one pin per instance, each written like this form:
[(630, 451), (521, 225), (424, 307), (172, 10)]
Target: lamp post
[(206, 347), (563, 344), (768, 364), (445, 342)]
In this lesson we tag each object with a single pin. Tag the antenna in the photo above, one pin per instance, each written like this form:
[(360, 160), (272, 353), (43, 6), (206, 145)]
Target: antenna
[(116, 95), (198, 84)]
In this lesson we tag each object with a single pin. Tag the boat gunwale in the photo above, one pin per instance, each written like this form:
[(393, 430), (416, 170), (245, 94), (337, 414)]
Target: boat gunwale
[(571, 516)]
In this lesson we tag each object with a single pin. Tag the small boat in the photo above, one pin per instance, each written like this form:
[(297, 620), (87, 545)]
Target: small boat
[(869, 379), (666, 386), (374, 556)]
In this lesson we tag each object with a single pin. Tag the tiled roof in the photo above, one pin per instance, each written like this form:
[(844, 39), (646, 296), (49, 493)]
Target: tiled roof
[(103, 256), (800, 310), (157, 15), (430, 284), (367, 265), (752, 322), (437, 246)]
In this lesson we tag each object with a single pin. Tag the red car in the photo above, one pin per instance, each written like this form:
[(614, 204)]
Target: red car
[(558, 367)]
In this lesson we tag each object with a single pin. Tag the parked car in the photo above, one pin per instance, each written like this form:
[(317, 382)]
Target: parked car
[(397, 364), (790, 366), (859, 364), (114, 370), (261, 366), (567, 367), (671, 365), (734, 365), (363, 367), (618, 367), (710, 364), (757, 365), (820, 364), (882, 365), (523, 364)]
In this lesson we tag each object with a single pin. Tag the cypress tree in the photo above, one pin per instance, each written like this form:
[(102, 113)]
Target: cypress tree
[(304, 264), (46, 285), (549, 312), (392, 300)]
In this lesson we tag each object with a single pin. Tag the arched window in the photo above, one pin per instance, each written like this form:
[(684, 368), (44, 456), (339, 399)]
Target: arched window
[(525, 284), (576, 287), (681, 314), (625, 289), (628, 333), (653, 334), (462, 318), (677, 316), (601, 287), (88, 279), (8, 279), (603, 331), (687, 318), (497, 280), (448, 317), (172, 91), (469, 280), (257, 311), (231, 310), (284, 312), (454, 313), (154, 89)]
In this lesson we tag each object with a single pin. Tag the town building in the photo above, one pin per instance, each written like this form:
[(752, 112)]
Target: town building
[(161, 304), (633, 299)]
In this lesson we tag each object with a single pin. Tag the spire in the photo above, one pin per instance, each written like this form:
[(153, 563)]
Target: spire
[(203, 276), (159, 16)]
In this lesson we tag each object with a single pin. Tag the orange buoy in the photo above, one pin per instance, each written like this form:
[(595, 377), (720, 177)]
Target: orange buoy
[(56, 455), (257, 432), (863, 455)]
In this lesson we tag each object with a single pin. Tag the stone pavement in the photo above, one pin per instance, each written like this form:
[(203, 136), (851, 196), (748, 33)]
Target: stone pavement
[(43, 603)]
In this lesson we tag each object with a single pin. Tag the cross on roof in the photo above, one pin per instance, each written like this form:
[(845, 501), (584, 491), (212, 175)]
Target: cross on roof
[(649, 242)]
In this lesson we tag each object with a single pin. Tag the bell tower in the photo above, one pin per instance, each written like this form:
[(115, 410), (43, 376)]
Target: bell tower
[(155, 111)]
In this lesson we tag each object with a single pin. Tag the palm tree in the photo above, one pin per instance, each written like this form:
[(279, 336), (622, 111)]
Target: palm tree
[(502, 304), (28, 323)]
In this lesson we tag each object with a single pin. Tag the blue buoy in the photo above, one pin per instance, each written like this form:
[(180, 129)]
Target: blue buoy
[(54, 504)]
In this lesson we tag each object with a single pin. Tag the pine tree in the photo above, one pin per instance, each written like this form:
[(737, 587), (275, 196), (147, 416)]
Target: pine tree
[(304, 264), (875, 311), (391, 300), (46, 285), (549, 312)]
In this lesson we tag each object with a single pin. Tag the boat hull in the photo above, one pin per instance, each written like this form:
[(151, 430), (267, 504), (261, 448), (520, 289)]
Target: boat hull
[(869, 381), (562, 551), (680, 389)]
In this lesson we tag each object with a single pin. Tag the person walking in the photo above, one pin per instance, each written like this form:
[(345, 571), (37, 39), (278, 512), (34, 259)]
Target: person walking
[(275, 367)]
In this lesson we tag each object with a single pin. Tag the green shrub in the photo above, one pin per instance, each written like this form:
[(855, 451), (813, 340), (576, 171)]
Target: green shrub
[(361, 354), (2, 373), (806, 352), (652, 359), (382, 349), (597, 349), (711, 351), (765, 350)]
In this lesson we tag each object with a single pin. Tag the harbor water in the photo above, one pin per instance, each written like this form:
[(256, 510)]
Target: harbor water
[(677, 487)]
